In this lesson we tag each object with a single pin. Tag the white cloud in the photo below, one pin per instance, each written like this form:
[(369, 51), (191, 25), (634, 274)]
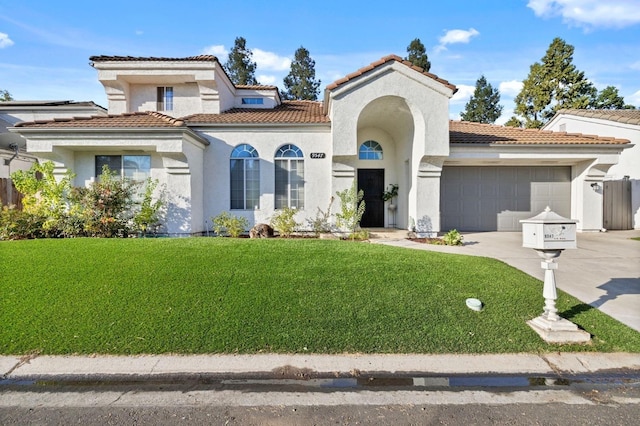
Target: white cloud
[(463, 94), (139, 32), (589, 13), (635, 66), (5, 41), (270, 61), (215, 50), (268, 80), (458, 36), (510, 88), (634, 99)]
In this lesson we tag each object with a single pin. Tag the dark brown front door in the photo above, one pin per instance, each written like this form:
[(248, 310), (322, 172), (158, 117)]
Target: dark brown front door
[(371, 182)]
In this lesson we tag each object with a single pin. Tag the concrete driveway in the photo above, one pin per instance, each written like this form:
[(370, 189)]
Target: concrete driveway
[(604, 271)]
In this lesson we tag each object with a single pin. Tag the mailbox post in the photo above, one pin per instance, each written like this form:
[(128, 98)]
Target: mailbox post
[(549, 234)]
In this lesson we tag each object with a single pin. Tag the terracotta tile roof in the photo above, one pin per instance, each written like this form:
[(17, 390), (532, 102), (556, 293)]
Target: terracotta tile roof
[(383, 61), (149, 119), (303, 112), (630, 116), (104, 58), (255, 87), (465, 132)]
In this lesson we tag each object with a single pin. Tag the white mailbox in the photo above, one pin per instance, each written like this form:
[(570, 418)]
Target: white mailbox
[(549, 231)]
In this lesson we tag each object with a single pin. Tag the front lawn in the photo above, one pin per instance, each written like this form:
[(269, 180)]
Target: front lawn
[(222, 295)]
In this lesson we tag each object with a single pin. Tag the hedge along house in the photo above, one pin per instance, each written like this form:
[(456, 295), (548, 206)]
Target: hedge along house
[(215, 147)]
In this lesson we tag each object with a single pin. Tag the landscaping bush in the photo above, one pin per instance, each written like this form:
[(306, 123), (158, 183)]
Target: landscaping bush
[(283, 221), (453, 238), (53, 208), (351, 209), (322, 222), (226, 224)]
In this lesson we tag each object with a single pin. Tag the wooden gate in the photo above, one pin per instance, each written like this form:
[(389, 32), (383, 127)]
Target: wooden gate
[(617, 214), (9, 194)]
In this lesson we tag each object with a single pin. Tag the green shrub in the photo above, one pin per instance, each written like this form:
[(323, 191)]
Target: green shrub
[(322, 222), (351, 209), (149, 213), (453, 238), (226, 224), (17, 224), (283, 221)]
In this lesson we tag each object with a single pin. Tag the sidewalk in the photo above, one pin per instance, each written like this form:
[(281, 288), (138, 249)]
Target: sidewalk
[(604, 271), (293, 366)]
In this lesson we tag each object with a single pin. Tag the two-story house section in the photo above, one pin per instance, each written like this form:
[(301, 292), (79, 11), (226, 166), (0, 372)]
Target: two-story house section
[(215, 146)]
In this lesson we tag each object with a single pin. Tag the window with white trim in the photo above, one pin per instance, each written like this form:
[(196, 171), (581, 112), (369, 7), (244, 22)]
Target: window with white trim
[(134, 167), (289, 171), (370, 150), (165, 99), (245, 178)]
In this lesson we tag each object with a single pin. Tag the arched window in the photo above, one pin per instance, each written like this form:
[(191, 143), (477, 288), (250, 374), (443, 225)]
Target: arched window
[(289, 164), (245, 178), (370, 150)]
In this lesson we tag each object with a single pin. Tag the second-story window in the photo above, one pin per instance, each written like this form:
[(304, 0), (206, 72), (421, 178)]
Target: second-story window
[(165, 98), (252, 101)]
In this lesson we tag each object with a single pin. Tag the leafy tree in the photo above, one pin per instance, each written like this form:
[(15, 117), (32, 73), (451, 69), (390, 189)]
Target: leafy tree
[(553, 84), (513, 122), (417, 55), (5, 96), (300, 83), (239, 66), (483, 107), (609, 98)]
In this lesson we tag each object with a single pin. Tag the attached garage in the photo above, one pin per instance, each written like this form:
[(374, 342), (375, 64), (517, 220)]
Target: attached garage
[(483, 198)]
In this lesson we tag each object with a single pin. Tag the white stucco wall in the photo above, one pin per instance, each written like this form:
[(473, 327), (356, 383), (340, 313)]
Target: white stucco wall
[(186, 99), (413, 110), (266, 140)]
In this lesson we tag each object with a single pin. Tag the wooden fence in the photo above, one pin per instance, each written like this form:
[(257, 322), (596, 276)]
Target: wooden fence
[(9, 194), (617, 204)]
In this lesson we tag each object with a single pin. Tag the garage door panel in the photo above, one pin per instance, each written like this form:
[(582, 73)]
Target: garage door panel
[(497, 198)]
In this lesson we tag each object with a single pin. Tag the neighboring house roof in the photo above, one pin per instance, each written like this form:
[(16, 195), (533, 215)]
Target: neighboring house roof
[(47, 103), (630, 116), (149, 119), (298, 112), (383, 61), (105, 58), (466, 132)]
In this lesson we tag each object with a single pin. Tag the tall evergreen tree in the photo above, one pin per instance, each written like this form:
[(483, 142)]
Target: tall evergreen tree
[(417, 55), (484, 106), (553, 84), (301, 81), (5, 96), (239, 66), (609, 98)]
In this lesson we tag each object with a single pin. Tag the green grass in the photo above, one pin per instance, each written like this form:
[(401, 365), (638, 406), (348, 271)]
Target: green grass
[(221, 295)]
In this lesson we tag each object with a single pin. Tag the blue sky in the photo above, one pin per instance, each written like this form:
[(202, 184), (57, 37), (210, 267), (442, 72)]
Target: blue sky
[(45, 45)]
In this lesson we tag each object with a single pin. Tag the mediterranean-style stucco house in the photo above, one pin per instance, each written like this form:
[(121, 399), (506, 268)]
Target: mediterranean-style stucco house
[(215, 146)]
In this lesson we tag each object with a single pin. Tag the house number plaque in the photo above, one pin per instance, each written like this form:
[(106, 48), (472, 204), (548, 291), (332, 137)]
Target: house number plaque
[(318, 155)]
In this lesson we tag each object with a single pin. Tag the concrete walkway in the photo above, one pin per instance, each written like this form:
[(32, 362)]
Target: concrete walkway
[(603, 272)]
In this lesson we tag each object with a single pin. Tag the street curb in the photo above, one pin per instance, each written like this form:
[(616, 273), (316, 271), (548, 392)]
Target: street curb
[(304, 366)]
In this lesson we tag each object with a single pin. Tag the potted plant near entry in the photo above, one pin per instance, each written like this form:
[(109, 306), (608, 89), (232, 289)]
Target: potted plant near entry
[(390, 194)]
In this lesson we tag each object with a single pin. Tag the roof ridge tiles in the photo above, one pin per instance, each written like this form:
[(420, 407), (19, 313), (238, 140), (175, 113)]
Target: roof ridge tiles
[(384, 60)]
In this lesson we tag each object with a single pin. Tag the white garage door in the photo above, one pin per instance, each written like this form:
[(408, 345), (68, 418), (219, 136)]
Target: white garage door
[(497, 198)]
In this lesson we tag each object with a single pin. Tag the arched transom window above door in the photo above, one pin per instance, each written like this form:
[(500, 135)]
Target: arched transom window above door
[(370, 150)]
